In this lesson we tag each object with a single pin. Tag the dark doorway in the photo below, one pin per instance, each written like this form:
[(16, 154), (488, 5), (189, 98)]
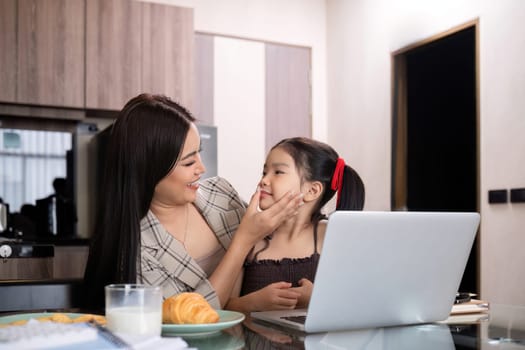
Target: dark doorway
[(439, 140)]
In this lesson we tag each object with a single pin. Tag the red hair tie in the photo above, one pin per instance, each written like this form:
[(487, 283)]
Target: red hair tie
[(337, 179)]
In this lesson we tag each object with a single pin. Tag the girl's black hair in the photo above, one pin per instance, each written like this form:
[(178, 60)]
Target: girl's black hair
[(144, 144), (316, 161)]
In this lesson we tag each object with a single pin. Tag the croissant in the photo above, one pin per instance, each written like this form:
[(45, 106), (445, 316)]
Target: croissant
[(188, 308)]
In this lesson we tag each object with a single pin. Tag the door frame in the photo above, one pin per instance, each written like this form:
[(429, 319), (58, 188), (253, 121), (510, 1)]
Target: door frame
[(398, 196)]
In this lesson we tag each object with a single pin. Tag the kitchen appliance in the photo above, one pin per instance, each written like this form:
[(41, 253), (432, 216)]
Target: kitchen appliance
[(208, 134), (4, 215)]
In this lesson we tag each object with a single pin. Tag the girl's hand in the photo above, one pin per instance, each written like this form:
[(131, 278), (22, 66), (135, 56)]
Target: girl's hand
[(261, 223), (276, 296), (305, 289)]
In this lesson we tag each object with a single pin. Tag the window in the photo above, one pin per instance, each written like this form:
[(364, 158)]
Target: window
[(29, 162)]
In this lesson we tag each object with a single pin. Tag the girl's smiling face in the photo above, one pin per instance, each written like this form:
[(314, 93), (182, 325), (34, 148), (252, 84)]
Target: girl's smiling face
[(280, 175)]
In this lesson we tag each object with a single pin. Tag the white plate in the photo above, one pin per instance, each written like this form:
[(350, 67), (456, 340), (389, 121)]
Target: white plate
[(226, 319), (28, 316)]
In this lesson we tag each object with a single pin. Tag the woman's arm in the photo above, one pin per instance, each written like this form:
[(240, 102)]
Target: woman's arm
[(253, 227)]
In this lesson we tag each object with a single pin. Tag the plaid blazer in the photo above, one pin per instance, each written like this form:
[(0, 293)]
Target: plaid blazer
[(164, 260)]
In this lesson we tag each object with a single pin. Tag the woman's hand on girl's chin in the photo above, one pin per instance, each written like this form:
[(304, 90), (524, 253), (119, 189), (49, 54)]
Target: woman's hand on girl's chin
[(260, 223)]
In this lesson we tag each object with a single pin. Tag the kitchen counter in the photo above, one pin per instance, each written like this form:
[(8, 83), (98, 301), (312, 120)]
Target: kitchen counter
[(50, 240), (48, 258), (12, 248), (45, 294)]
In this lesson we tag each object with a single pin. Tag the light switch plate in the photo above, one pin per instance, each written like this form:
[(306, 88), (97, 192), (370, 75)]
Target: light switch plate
[(497, 196)]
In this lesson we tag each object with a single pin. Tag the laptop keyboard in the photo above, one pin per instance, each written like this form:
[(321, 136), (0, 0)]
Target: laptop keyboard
[(297, 319)]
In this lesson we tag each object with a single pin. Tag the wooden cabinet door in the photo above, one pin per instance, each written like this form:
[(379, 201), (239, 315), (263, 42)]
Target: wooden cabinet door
[(70, 261), (8, 50), (167, 52), (113, 52), (26, 268), (50, 55), (288, 93), (204, 79)]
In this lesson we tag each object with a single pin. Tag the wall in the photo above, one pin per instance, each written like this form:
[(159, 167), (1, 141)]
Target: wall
[(240, 98), (361, 37), (351, 96)]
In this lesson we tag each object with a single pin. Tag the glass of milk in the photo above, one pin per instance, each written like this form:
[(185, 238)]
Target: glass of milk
[(134, 309)]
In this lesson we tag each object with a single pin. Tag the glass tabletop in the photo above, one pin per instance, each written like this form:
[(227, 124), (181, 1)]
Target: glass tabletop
[(502, 328)]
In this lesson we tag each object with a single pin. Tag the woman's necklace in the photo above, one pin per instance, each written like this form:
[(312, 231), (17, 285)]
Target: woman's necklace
[(183, 241)]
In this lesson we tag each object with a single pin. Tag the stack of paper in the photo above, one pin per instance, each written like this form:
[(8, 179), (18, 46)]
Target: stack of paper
[(469, 312), (472, 306)]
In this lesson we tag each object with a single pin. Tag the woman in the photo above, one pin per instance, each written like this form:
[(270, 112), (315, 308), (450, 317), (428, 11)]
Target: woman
[(158, 223)]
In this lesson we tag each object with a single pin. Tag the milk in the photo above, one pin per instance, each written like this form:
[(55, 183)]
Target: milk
[(134, 320)]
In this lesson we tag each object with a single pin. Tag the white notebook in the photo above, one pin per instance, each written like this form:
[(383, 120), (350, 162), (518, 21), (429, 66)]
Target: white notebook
[(382, 269)]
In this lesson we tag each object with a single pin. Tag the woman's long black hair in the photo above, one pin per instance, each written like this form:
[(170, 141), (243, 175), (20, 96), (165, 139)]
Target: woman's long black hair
[(144, 144), (316, 161)]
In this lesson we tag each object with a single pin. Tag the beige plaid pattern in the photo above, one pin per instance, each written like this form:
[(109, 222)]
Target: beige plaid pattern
[(165, 262)]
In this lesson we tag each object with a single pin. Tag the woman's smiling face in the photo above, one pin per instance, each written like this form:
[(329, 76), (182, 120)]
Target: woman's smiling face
[(280, 175), (181, 184)]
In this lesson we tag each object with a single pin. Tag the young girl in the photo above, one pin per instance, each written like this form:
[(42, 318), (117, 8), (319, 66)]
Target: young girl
[(280, 270)]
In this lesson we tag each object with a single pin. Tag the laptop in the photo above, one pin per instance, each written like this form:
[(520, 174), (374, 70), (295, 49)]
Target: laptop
[(380, 269)]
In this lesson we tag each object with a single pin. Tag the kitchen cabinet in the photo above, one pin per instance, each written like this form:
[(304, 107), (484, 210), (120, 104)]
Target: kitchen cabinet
[(203, 104), (39, 262), (94, 54), (70, 261), (26, 268), (134, 47), (288, 92), (113, 52), (167, 52), (50, 52), (24, 260), (8, 50)]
